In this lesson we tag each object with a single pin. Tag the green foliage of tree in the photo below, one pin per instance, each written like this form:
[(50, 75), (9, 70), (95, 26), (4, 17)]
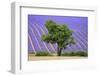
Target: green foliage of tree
[(58, 33)]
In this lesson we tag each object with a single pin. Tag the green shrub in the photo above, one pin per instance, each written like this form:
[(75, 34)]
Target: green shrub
[(82, 53), (42, 54), (79, 53), (73, 54), (66, 54)]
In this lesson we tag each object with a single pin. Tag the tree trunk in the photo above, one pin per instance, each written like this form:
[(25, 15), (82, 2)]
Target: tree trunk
[(59, 51)]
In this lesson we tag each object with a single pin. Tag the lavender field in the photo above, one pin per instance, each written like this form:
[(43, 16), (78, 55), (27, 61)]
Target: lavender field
[(36, 28)]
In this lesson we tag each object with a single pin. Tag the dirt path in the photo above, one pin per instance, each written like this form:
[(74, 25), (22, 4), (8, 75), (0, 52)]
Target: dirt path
[(35, 58)]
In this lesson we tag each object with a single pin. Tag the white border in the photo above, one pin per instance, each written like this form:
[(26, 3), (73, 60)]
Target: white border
[(19, 38)]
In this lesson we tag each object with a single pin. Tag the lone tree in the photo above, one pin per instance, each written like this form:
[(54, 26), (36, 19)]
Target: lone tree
[(59, 34)]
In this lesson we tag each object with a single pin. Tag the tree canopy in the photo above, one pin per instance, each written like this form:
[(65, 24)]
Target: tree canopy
[(58, 33)]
